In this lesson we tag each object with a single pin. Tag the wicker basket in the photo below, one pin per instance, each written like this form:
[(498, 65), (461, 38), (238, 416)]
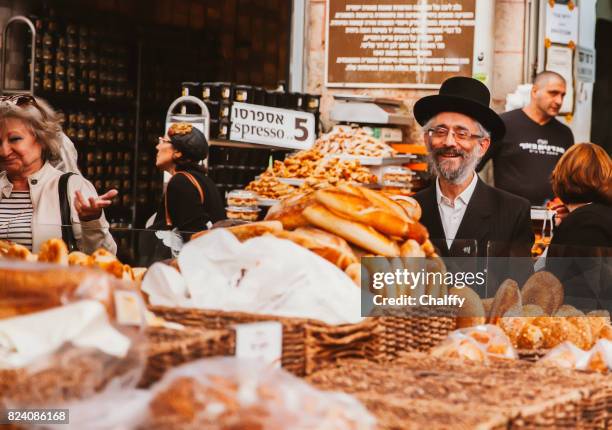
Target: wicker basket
[(168, 348), (414, 329), (419, 391), (307, 344), (71, 374)]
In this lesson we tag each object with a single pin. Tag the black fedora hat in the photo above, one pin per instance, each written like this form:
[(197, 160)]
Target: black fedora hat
[(463, 95)]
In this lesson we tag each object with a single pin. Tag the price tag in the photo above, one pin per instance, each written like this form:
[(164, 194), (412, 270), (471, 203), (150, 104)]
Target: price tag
[(129, 308), (260, 341), (272, 126)]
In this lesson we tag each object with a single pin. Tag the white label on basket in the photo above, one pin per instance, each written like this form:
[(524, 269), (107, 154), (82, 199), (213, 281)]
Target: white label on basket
[(261, 341), (128, 308)]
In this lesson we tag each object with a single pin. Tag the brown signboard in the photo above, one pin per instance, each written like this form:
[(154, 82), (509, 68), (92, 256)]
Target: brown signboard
[(398, 43)]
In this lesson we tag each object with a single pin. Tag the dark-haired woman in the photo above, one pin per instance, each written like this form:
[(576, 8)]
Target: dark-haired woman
[(192, 200)]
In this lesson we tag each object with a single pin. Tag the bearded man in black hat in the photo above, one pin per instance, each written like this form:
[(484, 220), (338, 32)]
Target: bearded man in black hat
[(460, 211)]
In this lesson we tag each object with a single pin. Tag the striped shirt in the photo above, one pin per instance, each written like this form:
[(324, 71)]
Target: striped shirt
[(16, 218)]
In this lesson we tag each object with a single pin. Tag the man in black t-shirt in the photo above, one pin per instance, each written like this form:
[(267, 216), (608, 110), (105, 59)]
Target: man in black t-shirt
[(534, 142)]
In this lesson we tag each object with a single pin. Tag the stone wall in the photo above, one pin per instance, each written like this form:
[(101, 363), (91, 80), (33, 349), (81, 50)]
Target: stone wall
[(507, 63)]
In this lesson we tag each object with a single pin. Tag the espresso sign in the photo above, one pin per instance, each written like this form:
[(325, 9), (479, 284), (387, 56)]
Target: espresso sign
[(272, 126), (398, 43)]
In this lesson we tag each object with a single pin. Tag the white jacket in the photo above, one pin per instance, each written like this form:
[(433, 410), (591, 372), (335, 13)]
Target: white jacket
[(47, 219)]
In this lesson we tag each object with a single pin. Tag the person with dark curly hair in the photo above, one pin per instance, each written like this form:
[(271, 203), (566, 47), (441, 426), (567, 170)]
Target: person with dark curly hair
[(191, 202)]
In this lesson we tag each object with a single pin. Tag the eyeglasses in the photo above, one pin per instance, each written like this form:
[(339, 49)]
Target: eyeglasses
[(460, 134)]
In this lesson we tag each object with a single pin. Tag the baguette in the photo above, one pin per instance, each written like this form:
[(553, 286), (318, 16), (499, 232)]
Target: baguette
[(364, 236), (383, 202), (247, 231), (331, 247), (361, 209), (411, 248), (289, 211), (354, 272), (410, 206)]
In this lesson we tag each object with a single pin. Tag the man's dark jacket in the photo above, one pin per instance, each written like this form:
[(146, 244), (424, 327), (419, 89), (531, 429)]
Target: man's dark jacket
[(492, 215)]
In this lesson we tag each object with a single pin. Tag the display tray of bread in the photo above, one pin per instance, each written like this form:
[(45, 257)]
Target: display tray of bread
[(535, 317), (419, 391)]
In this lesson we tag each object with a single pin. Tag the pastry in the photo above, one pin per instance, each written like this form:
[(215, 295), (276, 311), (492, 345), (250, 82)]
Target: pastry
[(78, 258), (597, 363), (530, 337), (19, 252), (53, 251)]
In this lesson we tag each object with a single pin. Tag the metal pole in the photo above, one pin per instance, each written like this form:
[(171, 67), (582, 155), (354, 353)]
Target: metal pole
[(137, 132), (298, 39)]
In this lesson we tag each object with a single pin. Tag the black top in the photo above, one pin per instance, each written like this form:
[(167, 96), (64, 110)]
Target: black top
[(587, 226), (525, 158), (491, 215), (186, 211), (580, 255)]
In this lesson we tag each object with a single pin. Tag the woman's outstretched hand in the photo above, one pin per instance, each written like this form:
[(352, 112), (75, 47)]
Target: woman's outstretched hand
[(91, 209)]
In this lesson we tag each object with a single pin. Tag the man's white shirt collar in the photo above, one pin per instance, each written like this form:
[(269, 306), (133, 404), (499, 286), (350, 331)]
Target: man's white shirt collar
[(465, 196)]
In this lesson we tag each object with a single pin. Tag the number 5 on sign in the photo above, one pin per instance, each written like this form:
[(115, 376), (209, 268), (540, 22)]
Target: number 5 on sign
[(272, 126)]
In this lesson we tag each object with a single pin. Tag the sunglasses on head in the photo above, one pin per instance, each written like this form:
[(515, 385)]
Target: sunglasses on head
[(21, 100)]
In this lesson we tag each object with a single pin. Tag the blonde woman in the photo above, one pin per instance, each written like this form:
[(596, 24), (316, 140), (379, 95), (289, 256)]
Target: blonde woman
[(30, 204)]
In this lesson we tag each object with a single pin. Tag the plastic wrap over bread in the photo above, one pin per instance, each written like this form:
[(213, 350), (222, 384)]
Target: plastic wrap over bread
[(228, 393), (66, 333), (480, 343)]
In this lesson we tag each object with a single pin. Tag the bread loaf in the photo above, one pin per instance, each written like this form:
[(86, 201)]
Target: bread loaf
[(545, 290), (27, 288), (289, 211), (247, 231), (472, 312), (329, 246), (383, 219), (508, 297), (354, 232)]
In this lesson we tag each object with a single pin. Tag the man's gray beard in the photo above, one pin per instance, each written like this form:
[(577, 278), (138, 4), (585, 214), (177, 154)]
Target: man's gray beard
[(459, 175)]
